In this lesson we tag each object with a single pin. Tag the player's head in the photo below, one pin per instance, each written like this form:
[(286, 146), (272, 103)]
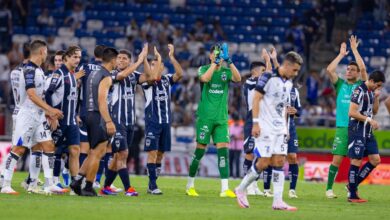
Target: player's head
[(98, 52), (72, 57), (58, 58), (26, 51), (353, 71), (38, 49), (291, 64), (257, 68), (215, 51), (123, 59), (375, 80), (109, 57)]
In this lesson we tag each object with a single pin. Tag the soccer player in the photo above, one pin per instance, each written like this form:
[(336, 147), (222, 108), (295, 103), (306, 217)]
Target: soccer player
[(270, 129), (344, 89), (256, 69), (361, 140), (31, 126), (212, 116), (158, 116), (62, 94), (123, 114)]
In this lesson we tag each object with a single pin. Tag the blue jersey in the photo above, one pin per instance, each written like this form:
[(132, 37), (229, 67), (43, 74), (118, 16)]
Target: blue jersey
[(158, 100), (365, 99), (295, 102), (62, 94), (249, 87), (122, 104), (88, 68)]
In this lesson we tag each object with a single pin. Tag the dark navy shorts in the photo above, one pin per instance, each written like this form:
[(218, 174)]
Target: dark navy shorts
[(157, 137), (292, 145), (66, 135), (96, 128), (123, 138), (83, 130), (360, 146), (249, 142)]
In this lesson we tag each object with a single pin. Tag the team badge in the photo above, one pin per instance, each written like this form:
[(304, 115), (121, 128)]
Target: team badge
[(223, 76), (147, 142), (202, 135)]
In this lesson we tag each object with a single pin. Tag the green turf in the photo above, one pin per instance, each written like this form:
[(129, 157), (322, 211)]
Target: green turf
[(174, 204)]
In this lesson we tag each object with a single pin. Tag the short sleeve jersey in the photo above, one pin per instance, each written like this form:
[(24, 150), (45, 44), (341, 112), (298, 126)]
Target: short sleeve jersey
[(343, 91)]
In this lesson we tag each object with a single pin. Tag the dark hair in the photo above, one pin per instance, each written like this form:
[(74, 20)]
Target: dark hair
[(109, 54), (36, 44), (377, 76), (293, 57), (126, 52), (26, 50), (71, 51), (353, 63), (256, 64), (214, 47), (98, 52), (59, 53)]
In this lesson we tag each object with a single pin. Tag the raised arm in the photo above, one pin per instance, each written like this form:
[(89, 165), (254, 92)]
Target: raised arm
[(375, 107), (257, 97), (267, 59), (129, 70), (274, 57), (331, 69), (176, 65), (359, 60), (236, 76)]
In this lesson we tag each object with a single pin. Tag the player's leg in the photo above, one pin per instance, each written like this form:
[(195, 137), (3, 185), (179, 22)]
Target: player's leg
[(111, 174), (84, 144), (152, 141), (73, 141), (373, 159), (34, 165), (124, 173), (267, 177), (57, 165), (10, 164), (160, 156), (355, 153), (292, 160), (65, 171)]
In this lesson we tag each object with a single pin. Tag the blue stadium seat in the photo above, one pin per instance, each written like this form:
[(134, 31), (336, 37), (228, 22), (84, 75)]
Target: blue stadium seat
[(33, 30), (49, 31)]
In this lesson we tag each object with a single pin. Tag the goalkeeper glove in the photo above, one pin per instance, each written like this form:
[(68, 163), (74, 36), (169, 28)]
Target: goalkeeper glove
[(225, 53)]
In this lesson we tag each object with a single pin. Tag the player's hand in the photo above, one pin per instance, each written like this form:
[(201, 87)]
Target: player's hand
[(225, 53), (256, 130), (354, 43), (171, 53), (157, 54), (78, 120), (374, 124), (291, 110), (54, 113), (144, 53), (110, 128), (53, 124), (377, 93), (265, 55), (273, 54), (343, 50), (79, 74)]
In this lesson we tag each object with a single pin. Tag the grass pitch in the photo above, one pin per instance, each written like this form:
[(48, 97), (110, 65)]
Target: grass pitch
[(174, 204)]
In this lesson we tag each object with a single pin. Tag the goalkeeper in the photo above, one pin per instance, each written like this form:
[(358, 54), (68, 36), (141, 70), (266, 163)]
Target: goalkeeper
[(212, 115)]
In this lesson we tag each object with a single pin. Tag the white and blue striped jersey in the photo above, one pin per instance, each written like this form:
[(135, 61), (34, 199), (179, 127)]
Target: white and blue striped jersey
[(88, 68), (295, 102), (364, 98), (62, 94), (122, 103), (34, 78), (18, 87), (158, 100), (249, 89)]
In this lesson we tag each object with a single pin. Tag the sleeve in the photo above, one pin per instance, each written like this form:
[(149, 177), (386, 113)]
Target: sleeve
[(338, 84), (357, 96), (29, 77), (55, 83), (137, 75), (262, 85), (297, 104), (229, 74), (202, 70)]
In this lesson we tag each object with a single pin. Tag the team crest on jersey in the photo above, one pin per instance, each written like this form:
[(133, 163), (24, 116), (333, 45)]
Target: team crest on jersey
[(279, 109), (147, 142), (117, 143), (223, 76), (357, 150), (202, 135)]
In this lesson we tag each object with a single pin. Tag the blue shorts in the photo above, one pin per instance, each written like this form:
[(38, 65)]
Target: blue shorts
[(123, 137), (249, 142), (157, 137), (360, 146), (66, 135), (83, 130), (292, 145)]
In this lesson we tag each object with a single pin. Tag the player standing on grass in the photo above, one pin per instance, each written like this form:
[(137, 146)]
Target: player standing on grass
[(158, 115), (270, 129), (344, 89), (212, 116), (361, 141)]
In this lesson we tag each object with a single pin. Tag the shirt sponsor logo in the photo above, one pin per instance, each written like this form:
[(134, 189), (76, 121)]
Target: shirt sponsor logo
[(215, 91)]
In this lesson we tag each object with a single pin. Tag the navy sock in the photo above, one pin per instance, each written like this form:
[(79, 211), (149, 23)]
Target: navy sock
[(67, 162), (364, 172), (100, 170), (352, 180), (124, 175), (110, 177), (247, 165), (152, 175), (57, 165), (28, 180), (267, 175), (293, 173), (107, 159), (82, 157), (88, 185)]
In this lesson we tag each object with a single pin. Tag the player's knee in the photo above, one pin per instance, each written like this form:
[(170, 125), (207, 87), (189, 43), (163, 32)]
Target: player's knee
[(122, 155), (292, 158), (375, 161), (152, 156), (74, 151), (36, 148), (201, 146), (48, 146), (18, 150), (249, 156)]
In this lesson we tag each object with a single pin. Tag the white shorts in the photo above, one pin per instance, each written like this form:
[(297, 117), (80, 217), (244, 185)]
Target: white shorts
[(30, 129), (270, 144)]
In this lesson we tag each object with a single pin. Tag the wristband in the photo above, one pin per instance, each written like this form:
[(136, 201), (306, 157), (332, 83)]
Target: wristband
[(368, 119), (256, 120), (229, 61)]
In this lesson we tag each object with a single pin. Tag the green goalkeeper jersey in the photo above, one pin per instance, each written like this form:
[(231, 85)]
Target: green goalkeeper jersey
[(213, 103), (343, 91)]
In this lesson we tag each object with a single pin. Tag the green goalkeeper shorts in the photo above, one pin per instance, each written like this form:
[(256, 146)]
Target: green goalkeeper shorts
[(340, 143), (218, 130)]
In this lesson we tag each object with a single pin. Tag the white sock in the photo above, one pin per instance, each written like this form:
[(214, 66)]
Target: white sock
[(65, 171), (48, 165), (35, 164), (248, 179), (9, 168), (190, 182), (278, 182), (56, 179), (224, 185)]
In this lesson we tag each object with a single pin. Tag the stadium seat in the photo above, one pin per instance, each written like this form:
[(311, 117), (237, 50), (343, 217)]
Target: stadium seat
[(85, 42), (254, 56), (120, 42), (233, 47), (65, 32), (20, 38), (37, 37), (94, 25), (378, 62), (70, 41), (247, 47)]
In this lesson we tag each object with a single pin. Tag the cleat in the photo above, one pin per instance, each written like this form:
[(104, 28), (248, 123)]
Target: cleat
[(115, 189), (96, 185), (156, 191), (253, 190), (191, 192), (228, 193), (54, 189), (59, 185), (292, 194), (76, 186), (88, 192), (107, 191), (40, 183), (357, 200), (268, 193), (24, 184), (242, 200), (283, 206), (330, 195), (72, 193), (8, 190), (131, 192), (35, 190)]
